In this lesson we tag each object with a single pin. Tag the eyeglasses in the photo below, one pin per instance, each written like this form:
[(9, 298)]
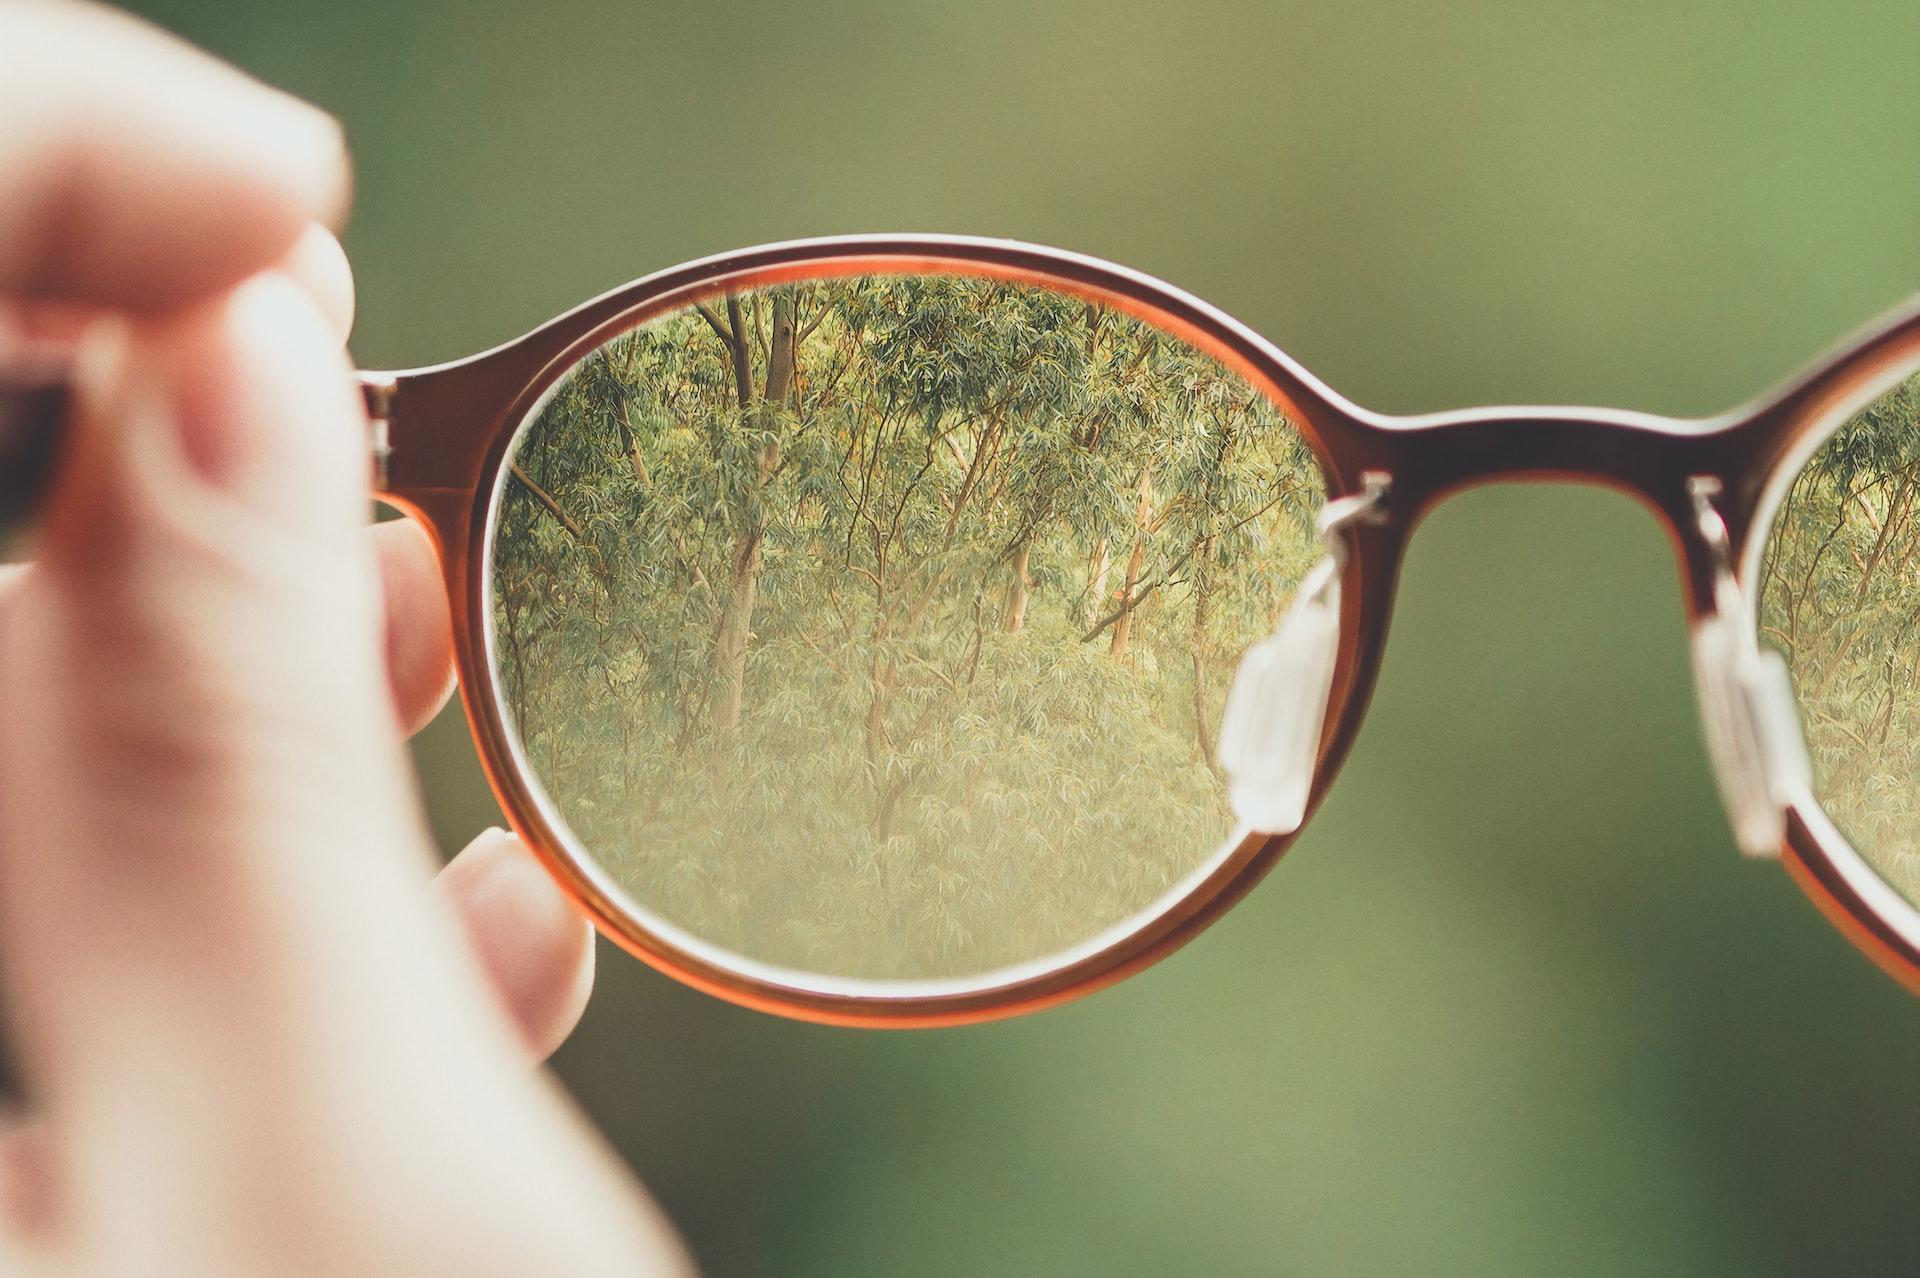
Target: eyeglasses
[(918, 630)]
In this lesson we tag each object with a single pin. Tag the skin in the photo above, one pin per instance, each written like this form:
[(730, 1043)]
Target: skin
[(256, 1034)]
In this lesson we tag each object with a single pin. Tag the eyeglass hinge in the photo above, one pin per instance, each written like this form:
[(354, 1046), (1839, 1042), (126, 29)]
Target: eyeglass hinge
[(1701, 490), (1368, 506), (378, 389)]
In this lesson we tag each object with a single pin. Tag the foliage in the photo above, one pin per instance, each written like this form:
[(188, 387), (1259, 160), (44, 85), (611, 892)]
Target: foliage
[(880, 626), (1841, 598)]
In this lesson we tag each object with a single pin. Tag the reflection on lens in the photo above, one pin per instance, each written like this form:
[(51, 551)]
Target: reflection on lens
[(880, 627), (1840, 596)]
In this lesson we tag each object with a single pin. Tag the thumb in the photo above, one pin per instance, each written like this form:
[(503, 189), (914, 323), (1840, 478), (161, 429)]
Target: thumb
[(210, 853)]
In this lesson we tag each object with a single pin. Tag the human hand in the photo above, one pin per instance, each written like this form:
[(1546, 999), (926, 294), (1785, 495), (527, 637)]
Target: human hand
[(253, 1039)]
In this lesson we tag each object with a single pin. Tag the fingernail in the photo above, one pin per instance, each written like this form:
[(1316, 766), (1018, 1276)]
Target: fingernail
[(494, 866), (319, 266), (299, 140), (332, 193), (494, 845)]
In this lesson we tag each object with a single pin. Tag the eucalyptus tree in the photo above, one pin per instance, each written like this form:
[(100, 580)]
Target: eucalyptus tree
[(891, 613), (1841, 598)]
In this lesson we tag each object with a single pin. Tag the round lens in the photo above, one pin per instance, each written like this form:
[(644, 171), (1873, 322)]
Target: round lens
[(880, 627), (1840, 597)]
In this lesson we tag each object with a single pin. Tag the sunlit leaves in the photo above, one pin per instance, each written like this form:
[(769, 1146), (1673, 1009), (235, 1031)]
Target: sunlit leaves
[(1841, 597), (942, 760)]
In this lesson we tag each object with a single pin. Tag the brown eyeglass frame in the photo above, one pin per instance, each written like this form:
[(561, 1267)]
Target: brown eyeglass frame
[(441, 436)]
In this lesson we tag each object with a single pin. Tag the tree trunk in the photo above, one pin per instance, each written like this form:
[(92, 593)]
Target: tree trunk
[(1201, 556), (1018, 591), (742, 355), (516, 651), (743, 586), (1136, 562), (1097, 588), (736, 625), (780, 357), (758, 412), (1202, 596)]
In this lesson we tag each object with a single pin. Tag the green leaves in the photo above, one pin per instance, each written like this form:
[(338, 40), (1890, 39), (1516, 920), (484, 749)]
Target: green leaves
[(815, 680), (1841, 597)]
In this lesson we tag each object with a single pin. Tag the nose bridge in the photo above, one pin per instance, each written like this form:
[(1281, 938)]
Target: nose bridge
[(1647, 457)]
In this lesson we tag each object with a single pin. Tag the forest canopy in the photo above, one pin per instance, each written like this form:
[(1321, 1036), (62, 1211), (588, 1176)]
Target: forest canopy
[(1840, 597), (881, 626)]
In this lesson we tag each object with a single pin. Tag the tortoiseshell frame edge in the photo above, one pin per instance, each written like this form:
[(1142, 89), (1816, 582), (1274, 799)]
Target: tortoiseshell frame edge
[(447, 430)]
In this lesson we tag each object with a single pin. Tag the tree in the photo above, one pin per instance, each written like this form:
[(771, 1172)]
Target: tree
[(1840, 596), (797, 594)]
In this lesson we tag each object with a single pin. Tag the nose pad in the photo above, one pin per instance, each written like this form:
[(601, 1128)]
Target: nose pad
[(1752, 726), (1277, 707), (1746, 698)]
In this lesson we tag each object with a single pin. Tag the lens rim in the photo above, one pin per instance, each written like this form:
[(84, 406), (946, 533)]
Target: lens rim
[(540, 363)]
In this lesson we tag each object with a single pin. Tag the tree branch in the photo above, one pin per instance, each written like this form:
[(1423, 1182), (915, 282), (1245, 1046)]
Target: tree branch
[(545, 498), (801, 336), (1127, 606), (565, 520), (713, 322)]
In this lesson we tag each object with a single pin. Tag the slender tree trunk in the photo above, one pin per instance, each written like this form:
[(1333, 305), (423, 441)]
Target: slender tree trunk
[(742, 354), (516, 650), (743, 578), (1896, 514), (1097, 589), (1907, 553), (736, 625), (1202, 597), (1136, 563), (780, 356), (1018, 591), (889, 808), (1201, 556), (736, 616)]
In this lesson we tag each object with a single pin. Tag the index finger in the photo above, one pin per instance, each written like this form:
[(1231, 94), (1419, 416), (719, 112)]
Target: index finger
[(137, 172)]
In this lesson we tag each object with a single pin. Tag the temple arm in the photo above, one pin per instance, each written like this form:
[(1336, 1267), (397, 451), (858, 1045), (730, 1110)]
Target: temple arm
[(35, 398)]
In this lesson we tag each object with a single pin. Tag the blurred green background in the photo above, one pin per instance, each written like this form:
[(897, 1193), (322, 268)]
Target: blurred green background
[(1513, 1005)]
